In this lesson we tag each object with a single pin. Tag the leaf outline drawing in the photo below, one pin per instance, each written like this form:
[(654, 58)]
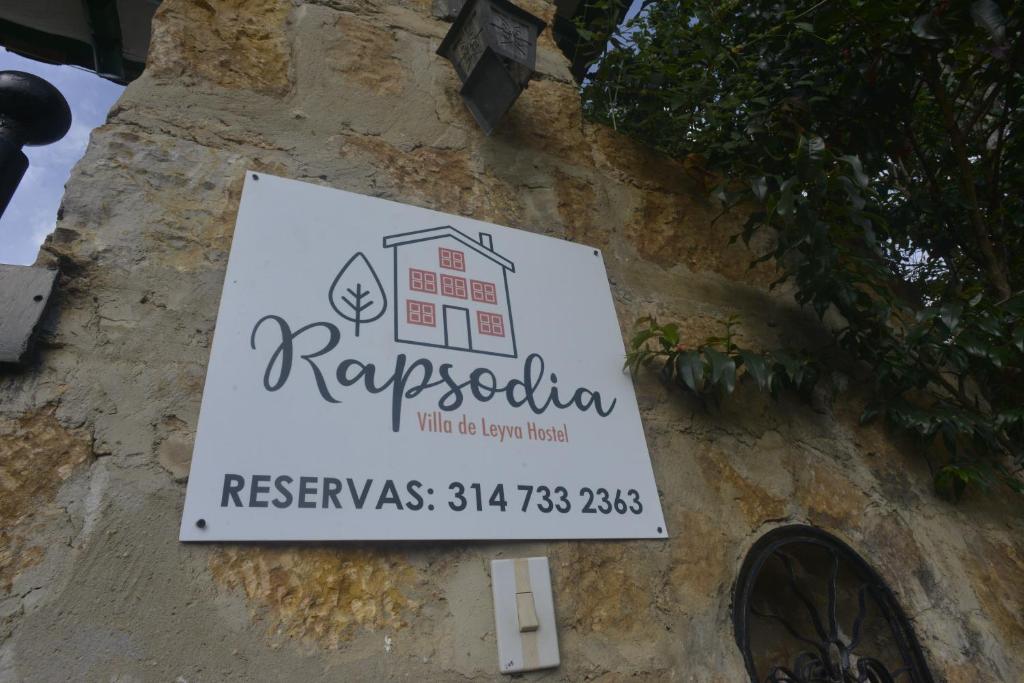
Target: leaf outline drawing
[(355, 288)]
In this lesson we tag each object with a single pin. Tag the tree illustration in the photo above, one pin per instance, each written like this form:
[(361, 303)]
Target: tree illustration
[(356, 294)]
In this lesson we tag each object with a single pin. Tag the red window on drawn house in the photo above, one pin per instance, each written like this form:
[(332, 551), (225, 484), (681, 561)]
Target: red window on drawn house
[(422, 281), (450, 258), (483, 291), (420, 313), (453, 285), (490, 324)]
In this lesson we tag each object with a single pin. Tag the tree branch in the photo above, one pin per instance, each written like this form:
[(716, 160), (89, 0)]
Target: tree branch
[(995, 269)]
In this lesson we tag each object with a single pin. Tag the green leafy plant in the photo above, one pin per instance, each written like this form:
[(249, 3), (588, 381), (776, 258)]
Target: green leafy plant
[(711, 369), (879, 142)]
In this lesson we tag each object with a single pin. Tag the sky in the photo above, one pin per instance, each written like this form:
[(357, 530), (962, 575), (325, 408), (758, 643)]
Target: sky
[(32, 213)]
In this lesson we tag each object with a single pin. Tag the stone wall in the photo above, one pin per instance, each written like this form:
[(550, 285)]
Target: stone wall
[(96, 433)]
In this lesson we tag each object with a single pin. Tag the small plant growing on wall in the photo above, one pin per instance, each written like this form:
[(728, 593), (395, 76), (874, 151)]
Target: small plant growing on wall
[(711, 369)]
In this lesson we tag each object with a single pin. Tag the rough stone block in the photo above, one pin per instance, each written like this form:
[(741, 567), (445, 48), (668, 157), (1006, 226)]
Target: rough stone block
[(446, 9)]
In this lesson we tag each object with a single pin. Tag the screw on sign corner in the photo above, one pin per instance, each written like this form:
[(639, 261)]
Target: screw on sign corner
[(201, 523)]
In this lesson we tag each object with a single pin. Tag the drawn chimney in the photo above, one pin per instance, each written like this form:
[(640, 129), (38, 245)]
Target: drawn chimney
[(486, 241)]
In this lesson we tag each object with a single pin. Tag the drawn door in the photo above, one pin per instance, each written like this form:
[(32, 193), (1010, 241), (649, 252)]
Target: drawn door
[(456, 328)]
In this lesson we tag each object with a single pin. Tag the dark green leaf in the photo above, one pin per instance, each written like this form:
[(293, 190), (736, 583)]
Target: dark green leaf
[(973, 344), (926, 27), (785, 204), (665, 374), (989, 325), (642, 336), (690, 367), (859, 176), (757, 367), (1014, 304), (1000, 357), (987, 15), (950, 314), (759, 186), (670, 334), (723, 369), (815, 146)]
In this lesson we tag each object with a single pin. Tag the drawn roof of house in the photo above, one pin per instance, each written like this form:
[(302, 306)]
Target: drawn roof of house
[(449, 231)]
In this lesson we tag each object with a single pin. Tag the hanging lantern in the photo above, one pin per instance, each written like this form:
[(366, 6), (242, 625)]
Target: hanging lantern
[(493, 47)]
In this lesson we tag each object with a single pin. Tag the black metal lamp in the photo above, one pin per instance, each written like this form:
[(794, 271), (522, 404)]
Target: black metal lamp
[(32, 112), (493, 47)]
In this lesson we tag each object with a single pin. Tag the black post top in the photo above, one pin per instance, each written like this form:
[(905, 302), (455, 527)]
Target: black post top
[(32, 111)]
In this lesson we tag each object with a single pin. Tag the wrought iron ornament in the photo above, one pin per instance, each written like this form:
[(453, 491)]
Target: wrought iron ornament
[(512, 35), (808, 609)]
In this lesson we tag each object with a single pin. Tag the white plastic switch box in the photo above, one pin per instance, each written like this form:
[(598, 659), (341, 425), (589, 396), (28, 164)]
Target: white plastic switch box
[(524, 615)]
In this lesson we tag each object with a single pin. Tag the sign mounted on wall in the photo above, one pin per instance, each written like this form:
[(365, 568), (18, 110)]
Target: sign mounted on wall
[(381, 371)]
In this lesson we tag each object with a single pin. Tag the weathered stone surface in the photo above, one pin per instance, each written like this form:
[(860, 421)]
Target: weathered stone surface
[(441, 179), (830, 498), (320, 595), (581, 210), (349, 93), (446, 9), (37, 454), (600, 585), (237, 44), (669, 231), (997, 575), (364, 53), (752, 500), (174, 451)]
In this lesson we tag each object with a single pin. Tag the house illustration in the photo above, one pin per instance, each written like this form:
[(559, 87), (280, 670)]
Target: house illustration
[(451, 291)]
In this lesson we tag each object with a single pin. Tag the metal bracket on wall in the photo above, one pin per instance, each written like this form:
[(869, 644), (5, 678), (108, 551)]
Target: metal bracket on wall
[(24, 292)]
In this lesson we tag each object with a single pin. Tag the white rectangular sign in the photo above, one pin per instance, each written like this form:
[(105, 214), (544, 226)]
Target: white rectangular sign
[(381, 371)]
